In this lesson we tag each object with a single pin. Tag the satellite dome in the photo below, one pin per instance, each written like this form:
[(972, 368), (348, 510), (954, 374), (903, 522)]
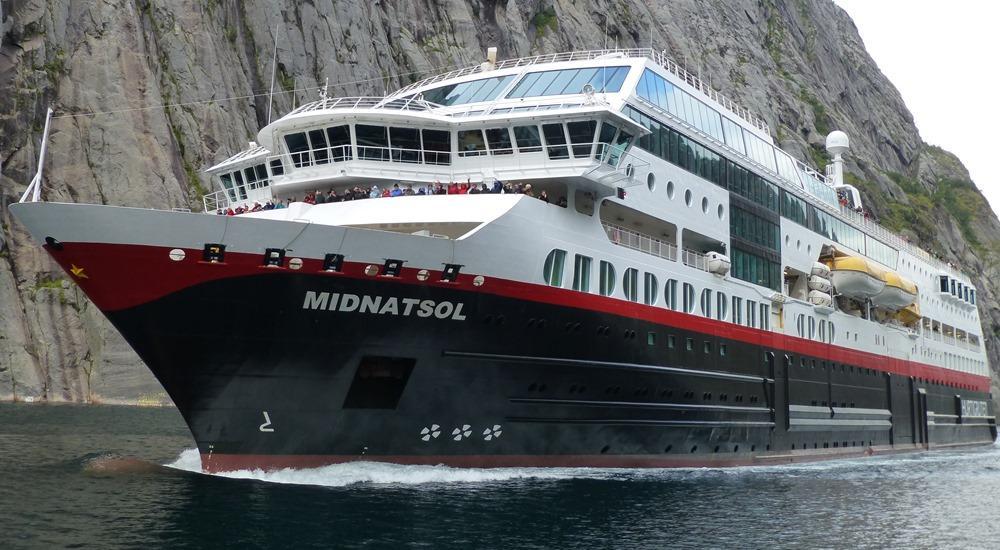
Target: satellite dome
[(837, 143)]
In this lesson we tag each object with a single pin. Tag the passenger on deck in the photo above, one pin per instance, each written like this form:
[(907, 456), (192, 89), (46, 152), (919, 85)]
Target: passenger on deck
[(374, 193), (319, 198), (544, 196), (396, 191), (497, 186), (452, 188), (409, 192), (562, 202), (528, 191), (332, 196)]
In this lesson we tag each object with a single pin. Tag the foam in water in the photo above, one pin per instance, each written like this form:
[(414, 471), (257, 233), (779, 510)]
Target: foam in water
[(380, 473)]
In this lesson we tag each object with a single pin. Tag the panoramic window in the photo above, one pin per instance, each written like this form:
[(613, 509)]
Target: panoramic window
[(570, 81), (688, 295), (706, 302), (486, 89)]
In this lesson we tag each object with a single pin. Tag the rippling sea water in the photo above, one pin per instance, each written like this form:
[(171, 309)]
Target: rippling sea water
[(122, 477)]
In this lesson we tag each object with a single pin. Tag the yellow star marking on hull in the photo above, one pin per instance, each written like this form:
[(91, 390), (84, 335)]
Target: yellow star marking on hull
[(77, 272)]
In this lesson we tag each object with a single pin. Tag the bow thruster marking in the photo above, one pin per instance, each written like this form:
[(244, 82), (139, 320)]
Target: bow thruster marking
[(266, 426)]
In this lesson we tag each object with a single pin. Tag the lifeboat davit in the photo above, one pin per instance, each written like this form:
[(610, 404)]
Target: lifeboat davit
[(899, 292), (856, 277)]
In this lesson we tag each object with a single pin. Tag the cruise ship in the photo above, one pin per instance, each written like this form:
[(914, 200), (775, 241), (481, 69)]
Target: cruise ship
[(578, 259)]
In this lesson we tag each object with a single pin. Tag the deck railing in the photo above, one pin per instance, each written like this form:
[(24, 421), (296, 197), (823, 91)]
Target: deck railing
[(640, 241)]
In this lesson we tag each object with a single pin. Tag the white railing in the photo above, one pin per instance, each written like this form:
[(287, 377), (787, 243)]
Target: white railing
[(694, 259), (657, 56), (640, 241), (367, 102)]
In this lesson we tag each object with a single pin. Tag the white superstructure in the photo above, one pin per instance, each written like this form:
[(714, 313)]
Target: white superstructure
[(661, 191)]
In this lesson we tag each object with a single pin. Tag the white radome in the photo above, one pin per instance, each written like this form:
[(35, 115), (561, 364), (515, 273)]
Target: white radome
[(837, 143)]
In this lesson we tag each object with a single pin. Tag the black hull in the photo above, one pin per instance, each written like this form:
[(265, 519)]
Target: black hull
[(264, 382)]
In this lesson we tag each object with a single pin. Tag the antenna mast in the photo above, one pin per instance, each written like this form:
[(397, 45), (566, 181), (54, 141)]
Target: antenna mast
[(274, 70), (35, 187)]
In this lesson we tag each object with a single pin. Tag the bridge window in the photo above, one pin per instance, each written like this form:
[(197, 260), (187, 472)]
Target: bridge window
[(499, 140), (298, 149), (238, 179), (339, 138), (471, 143), (581, 134), (227, 182), (277, 167), (528, 140), (553, 269), (317, 140), (437, 147), (405, 144), (373, 142), (555, 139), (607, 278)]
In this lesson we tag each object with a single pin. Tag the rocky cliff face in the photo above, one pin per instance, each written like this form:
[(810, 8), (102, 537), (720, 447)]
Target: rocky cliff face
[(108, 68)]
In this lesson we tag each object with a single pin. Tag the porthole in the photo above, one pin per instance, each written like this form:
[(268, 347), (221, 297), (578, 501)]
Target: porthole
[(688, 197), (651, 181), (798, 245), (670, 190), (787, 239), (721, 211), (704, 205)]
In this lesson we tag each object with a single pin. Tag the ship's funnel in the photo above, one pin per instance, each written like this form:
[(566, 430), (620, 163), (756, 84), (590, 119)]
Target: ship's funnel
[(491, 59)]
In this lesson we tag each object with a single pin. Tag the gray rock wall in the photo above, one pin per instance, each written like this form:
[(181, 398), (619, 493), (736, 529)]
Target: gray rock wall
[(109, 67)]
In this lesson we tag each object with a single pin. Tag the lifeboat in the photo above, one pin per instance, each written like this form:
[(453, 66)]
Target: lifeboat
[(718, 263), (856, 277), (898, 293), (821, 284), (909, 315), (819, 298), (820, 269)]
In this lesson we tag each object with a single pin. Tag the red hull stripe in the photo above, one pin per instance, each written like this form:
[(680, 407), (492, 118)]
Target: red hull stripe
[(232, 462), (117, 276)]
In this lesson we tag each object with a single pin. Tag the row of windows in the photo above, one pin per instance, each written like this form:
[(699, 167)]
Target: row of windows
[(956, 288), (806, 327), (711, 304), (237, 182), (570, 81), (831, 227), (755, 269), (401, 144), (678, 149), (754, 229)]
